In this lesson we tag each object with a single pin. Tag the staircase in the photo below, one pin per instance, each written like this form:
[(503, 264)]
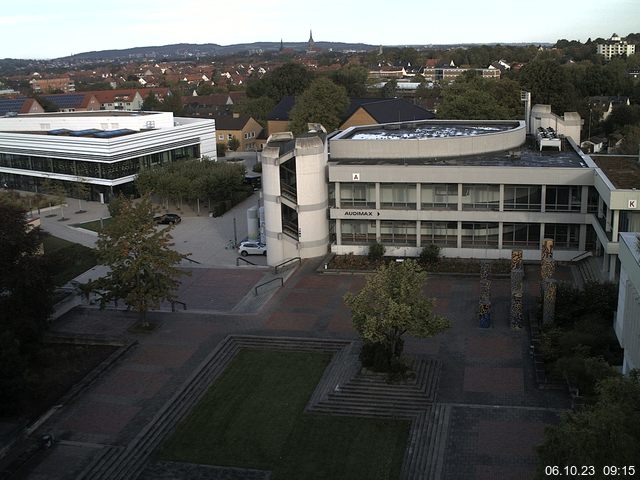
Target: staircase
[(117, 463), (589, 269)]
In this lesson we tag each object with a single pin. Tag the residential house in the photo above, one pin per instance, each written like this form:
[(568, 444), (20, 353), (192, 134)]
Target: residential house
[(73, 102), (371, 111), (361, 111), (13, 106), (241, 127), (606, 104), (214, 105)]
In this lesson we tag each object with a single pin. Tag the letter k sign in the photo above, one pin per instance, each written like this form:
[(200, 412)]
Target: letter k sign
[(633, 204)]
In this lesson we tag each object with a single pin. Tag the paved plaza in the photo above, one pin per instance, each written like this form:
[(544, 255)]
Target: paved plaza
[(497, 413)]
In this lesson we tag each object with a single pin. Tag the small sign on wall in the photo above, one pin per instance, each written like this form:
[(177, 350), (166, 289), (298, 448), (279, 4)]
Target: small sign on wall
[(355, 177), (632, 204)]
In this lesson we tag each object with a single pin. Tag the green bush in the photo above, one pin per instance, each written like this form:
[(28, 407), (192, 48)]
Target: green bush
[(376, 251), (430, 254), (583, 372)]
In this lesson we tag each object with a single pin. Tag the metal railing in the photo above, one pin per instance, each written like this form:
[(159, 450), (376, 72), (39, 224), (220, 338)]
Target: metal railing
[(255, 290), (286, 262), (244, 260), (173, 305), (582, 256)]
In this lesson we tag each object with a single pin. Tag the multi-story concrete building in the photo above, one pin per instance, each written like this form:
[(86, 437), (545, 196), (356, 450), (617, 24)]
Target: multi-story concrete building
[(614, 47), (106, 150), (477, 189), (50, 85), (627, 322)]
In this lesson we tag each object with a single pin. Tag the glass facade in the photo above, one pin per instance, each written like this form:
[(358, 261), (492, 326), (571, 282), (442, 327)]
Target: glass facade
[(439, 196), (522, 235), (105, 170), (523, 197), (358, 232), (358, 195), (563, 198), (480, 235), (394, 232), (443, 234), (565, 237), (398, 195), (480, 197)]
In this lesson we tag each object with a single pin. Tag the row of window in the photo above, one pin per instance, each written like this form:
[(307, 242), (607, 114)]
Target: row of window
[(473, 197), (80, 168), (473, 234)]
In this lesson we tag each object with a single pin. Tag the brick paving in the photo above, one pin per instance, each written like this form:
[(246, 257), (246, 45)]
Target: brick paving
[(497, 413)]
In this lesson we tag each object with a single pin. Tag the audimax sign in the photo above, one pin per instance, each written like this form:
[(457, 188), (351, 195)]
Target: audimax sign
[(361, 213)]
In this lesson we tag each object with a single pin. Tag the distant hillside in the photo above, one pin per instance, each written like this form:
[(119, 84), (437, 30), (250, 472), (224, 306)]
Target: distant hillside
[(208, 49), (187, 50)]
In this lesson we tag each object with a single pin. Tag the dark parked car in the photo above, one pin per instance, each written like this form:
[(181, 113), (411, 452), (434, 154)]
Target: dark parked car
[(167, 219)]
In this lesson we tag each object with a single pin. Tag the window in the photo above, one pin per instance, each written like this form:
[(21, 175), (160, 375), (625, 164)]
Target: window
[(398, 233), (480, 197), (357, 195), (358, 232), (230, 136), (522, 197), (480, 235), (443, 234), (398, 195), (220, 137), (563, 198), (521, 235), (565, 237), (439, 196)]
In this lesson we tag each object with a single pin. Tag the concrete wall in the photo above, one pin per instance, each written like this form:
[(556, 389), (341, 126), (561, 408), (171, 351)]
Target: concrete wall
[(627, 322), (344, 148), (83, 121), (568, 125)]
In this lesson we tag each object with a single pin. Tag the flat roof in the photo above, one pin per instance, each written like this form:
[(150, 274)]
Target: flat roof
[(426, 130), (91, 113), (527, 155), (623, 171)]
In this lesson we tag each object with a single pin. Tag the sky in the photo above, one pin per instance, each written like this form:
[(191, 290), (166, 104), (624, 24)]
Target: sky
[(50, 29)]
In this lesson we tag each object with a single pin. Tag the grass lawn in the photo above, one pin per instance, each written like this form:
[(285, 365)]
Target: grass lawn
[(252, 417), (95, 225), (67, 259)]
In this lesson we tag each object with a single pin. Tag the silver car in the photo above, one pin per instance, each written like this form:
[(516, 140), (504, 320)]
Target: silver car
[(252, 248)]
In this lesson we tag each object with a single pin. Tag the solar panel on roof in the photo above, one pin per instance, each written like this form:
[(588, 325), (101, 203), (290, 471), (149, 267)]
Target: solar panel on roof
[(114, 133), (58, 131), (65, 101), (84, 133), (11, 105)]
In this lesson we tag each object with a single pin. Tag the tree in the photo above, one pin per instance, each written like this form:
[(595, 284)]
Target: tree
[(391, 304), (233, 144), (173, 103), (549, 84), (603, 434), (323, 102), (25, 281), (476, 98), (80, 190), (151, 103), (353, 78), (143, 268), (289, 79), (389, 89)]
